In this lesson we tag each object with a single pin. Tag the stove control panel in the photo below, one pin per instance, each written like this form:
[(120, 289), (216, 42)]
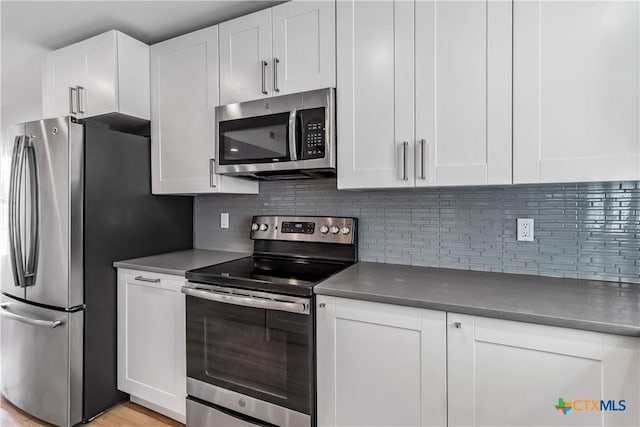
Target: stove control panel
[(304, 228)]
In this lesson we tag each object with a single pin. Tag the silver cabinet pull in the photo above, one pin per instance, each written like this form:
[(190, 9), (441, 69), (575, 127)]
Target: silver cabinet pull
[(212, 173), (28, 320), (423, 174), (147, 279), (72, 99), (458, 325), (276, 61), (79, 91), (405, 146), (264, 77), (322, 305)]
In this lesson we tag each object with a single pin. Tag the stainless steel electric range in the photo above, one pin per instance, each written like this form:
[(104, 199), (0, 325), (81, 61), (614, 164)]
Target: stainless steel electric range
[(250, 323)]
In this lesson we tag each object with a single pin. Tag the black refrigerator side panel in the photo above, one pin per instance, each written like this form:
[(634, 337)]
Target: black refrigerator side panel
[(122, 220)]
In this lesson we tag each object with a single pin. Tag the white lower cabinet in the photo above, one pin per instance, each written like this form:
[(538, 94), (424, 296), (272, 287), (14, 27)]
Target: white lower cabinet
[(390, 365), (380, 364), (503, 373), (151, 341)]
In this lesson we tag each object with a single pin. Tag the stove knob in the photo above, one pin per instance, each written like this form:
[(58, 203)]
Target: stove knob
[(263, 227), (345, 230), (254, 227), (334, 229), (324, 229)]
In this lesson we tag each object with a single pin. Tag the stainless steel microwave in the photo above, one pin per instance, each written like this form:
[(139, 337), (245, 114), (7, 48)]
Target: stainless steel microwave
[(285, 137)]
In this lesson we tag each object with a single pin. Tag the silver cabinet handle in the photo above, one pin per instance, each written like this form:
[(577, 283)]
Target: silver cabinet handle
[(79, 91), (264, 65), (293, 135), (458, 325), (212, 173), (72, 97), (276, 61), (147, 279), (423, 174), (405, 146), (278, 302), (28, 320), (322, 305)]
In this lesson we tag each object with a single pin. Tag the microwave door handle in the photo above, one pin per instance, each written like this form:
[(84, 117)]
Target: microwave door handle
[(293, 135)]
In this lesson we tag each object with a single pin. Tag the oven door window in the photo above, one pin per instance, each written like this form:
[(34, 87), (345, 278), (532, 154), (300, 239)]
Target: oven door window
[(263, 139), (264, 354)]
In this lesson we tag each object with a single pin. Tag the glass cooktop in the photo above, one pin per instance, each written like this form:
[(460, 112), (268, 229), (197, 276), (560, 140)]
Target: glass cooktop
[(270, 274)]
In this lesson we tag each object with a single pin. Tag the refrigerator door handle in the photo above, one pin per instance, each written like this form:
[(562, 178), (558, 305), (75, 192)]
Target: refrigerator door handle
[(4, 307), (34, 226), (15, 244)]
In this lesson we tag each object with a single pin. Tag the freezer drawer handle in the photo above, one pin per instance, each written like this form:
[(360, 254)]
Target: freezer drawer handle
[(28, 320)]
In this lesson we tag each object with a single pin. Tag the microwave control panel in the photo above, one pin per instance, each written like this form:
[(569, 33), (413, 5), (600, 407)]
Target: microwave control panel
[(313, 133)]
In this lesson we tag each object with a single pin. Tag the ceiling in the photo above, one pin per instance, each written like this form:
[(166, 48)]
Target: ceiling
[(28, 29), (54, 24)]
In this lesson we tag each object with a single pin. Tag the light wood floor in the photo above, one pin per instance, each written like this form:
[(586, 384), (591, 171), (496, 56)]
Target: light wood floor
[(124, 415)]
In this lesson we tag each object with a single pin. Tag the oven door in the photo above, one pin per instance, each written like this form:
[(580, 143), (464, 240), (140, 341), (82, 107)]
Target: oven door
[(251, 352)]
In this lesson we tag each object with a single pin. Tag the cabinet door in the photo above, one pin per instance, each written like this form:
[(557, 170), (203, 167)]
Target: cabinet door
[(463, 92), (151, 339), (99, 93), (576, 91), (375, 100), (63, 69), (380, 364), (304, 46), (184, 94), (245, 43), (503, 373)]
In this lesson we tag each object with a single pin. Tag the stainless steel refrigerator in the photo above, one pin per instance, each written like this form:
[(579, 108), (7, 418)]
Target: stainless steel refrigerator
[(79, 198)]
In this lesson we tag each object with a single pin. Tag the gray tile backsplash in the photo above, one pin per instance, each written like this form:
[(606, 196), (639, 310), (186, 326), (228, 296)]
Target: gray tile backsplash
[(581, 230)]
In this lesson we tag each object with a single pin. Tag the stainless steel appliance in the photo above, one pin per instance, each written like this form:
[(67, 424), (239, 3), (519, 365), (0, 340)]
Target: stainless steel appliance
[(250, 323), (79, 198), (285, 137)]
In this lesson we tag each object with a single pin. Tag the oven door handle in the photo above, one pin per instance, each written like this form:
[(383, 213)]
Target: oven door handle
[(302, 306)]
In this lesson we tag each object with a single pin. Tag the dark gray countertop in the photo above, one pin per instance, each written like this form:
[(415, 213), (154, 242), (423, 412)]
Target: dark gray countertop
[(178, 262), (580, 304)]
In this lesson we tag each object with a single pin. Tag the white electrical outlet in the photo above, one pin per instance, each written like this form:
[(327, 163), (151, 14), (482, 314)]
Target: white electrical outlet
[(525, 229), (224, 220)]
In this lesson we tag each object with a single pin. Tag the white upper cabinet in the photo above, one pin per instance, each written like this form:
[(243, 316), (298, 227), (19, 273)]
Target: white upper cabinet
[(286, 49), (453, 127), (245, 57), (375, 94), (108, 73), (463, 92), (576, 91), (304, 46), (184, 94), (490, 362)]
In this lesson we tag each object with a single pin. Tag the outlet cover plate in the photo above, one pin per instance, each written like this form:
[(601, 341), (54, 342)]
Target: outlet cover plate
[(224, 220), (525, 230)]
